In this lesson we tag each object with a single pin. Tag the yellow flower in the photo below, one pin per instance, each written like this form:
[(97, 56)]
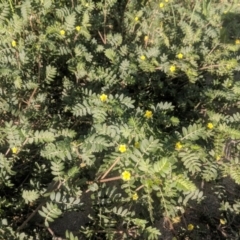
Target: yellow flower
[(161, 5), (210, 125), (146, 38), (136, 145), (237, 41), (78, 28), (82, 165), (122, 148), (178, 146), (14, 43), (148, 114), (62, 32), (14, 150), (143, 57), (135, 197), (223, 221), (180, 55), (172, 68), (190, 227), (136, 19), (176, 219), (218, 158), (103, 97), (126, 176), (166, 0)]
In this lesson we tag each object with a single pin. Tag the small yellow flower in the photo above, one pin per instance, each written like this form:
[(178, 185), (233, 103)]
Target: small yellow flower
[(223, 221), (135, 197), (161, 5), (148, 114), (82, 165), (210, 126), (136, 19), (190, 227), (176, 219), (126, 176), (180, 56), (218, 158), (237, 41), (136, 144), (62, 32), (172, 68), (122, 148), (78, 28), (86, 4), (103, 97), (14, 43), (178, 146), (14, 150), (166, 1), (146, 38), (143, 57)]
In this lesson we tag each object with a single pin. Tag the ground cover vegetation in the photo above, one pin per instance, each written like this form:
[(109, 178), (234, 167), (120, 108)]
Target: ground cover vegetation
[(133, 102)]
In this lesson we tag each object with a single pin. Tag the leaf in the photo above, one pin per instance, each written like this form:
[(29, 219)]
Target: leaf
[(58, 196), (193, 195), (18, 82), (163, 106), (82, 109), (72, 172), (70, 236), (60, 150), (50, 212), (193, 132), (5, 10), (93, 187), (43, 137), (148, 146), (70, 21), (191, 161), (30, 196), (47, 4), (144, 165), (185, 185), (85, 19), (110, 54), (57, 168), (235, 174), (151, 233), (162, 167), (41, 213), (50, 73)]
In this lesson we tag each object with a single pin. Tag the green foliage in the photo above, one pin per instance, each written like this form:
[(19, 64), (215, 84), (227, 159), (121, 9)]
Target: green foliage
[(90, 90), (30, 196), (70, 236), (49, 213), (193, 132)]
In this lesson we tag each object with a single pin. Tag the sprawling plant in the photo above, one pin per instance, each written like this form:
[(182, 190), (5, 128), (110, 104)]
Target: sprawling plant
[(135, 102)]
